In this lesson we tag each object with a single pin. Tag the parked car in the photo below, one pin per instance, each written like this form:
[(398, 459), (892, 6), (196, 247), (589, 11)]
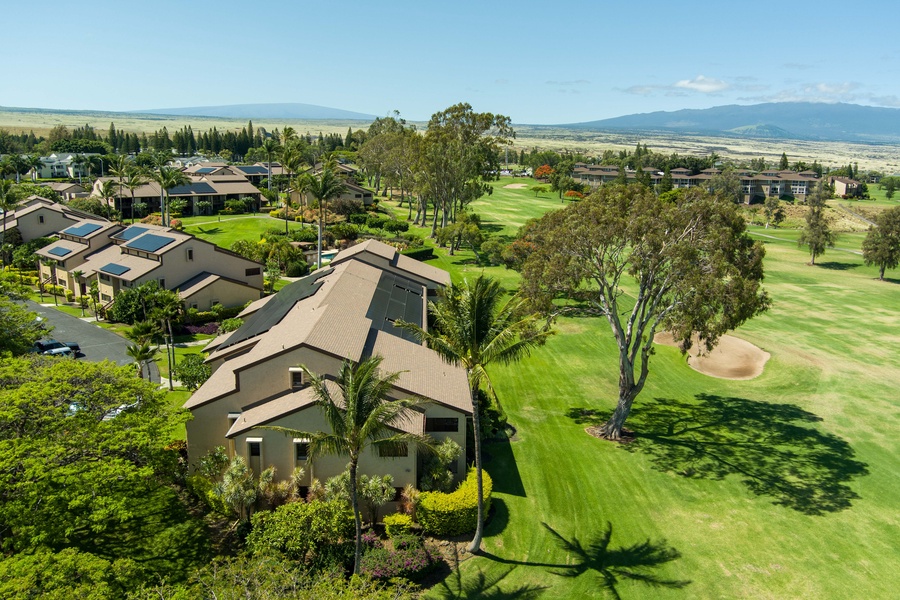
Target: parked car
[(54, 348)]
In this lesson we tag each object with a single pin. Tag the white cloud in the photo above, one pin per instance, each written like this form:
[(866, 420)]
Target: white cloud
[(703, 84)]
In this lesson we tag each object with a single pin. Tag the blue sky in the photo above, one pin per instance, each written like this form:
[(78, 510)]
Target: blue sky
[(537, 62)]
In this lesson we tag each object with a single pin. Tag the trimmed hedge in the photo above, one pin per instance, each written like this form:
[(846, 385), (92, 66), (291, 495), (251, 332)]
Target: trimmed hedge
[(397, 524), (420, 253), (454, 513)]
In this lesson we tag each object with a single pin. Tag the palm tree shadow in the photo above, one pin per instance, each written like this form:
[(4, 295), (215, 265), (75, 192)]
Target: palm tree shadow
[(769, 446), (481, 585), (611, 565)]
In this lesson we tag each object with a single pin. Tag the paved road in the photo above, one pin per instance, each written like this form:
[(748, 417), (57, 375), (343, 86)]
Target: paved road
[(96, 343)]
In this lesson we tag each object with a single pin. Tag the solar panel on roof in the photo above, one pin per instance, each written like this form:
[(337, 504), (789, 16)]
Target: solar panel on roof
[(395, 298), (149, 242), (114, 269), (254, 170), (132, 232), (275, 309), (197, 187), (58, 251), (206, 170), (83, 229)]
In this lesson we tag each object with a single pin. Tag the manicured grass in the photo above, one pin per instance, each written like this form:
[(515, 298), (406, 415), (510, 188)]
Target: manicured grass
[(784, 486), (229, 229)]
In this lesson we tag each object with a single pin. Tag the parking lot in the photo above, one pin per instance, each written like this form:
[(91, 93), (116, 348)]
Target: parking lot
[(96, 343)]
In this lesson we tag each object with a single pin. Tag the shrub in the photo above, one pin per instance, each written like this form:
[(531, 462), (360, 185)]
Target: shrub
[(344, 231), (358, 218), (70, 296), (231, 324), (395, 226), (420, 253), (306, 234), (398, 524), (297, 268), (345, 206), (376, 222), (317, 533), (454, 513), (409, 559)]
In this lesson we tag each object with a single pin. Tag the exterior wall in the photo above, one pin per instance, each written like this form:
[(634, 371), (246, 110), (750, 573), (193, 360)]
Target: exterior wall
[(176, 268), (30, 225), (225, 293), (278, 450), (433, 410)]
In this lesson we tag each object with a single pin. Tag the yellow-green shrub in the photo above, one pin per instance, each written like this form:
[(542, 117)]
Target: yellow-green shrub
[(398, 524), (454, 513)]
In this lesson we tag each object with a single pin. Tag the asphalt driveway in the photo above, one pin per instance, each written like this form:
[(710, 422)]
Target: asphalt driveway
[(96, 343)]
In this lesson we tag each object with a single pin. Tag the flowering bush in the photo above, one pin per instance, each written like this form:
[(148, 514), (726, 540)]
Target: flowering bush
[(409, 559), (209, 328)]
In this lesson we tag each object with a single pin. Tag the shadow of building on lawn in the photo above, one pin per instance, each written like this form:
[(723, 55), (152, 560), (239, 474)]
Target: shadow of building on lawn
[(769, 446), (610, 565)]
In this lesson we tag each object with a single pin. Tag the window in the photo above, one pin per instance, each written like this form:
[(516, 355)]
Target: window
[(301, 450), (105, 297), (194, 305), (190, 254), (104, 277), (40, 218), (393, 450), (298, 380), (255, 448), (249, 272), (441, 424), (162, 283)]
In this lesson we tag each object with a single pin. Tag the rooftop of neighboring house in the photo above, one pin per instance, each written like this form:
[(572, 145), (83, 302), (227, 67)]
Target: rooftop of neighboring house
[(347, 310)]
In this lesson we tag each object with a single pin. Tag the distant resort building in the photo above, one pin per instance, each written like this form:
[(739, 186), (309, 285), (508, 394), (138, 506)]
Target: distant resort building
[(756, 187)]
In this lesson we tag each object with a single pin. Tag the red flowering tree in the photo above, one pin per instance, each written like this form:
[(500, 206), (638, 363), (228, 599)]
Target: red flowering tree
[(543, 172), (573, 195)]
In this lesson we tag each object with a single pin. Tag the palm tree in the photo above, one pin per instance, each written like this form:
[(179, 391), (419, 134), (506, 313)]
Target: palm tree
[(79, 161), (76, 279), (142, 355), (360, 417), (270, 147), (108, 192), (19, 165), (472, 329), (135, 177), (168, 308), (8, 202), (168, 178), (327, 186), (34, 164)]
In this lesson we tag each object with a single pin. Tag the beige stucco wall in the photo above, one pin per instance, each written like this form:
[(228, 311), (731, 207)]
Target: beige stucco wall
[(30, 225), (226, 293)]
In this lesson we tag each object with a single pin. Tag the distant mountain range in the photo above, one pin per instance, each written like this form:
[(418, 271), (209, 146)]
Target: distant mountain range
[(290, 110), (775, 120)]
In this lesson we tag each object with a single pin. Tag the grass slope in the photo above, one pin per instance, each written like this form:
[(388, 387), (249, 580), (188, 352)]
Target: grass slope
[(780, 487)]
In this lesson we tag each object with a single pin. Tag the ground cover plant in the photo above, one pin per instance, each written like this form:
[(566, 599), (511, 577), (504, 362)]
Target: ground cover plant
[(780, 486)]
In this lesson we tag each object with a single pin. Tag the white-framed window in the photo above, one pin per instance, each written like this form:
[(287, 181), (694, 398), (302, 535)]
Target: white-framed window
[(190, 254), (301, 451), (298, 378)]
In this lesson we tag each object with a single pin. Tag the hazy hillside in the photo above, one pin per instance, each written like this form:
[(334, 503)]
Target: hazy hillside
[(293, 110), (798, 120)]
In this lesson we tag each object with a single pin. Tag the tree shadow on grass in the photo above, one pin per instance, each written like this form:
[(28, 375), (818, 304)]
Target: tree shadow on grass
[(769, 446), (209, 231), (837, 266), (610, 565), (503, 468), (480, 585)]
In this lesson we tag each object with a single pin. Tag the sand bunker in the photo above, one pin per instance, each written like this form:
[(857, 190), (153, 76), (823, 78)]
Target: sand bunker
[(732, 358), (516, 186)]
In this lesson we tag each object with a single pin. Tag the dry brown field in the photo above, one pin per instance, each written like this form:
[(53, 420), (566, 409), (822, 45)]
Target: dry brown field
[(883, 157)]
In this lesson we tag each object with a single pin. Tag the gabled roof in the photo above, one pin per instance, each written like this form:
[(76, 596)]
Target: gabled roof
[(348, 312), (389, 253)]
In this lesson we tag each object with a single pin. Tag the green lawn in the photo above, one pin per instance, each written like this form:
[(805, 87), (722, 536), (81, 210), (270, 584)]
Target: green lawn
[(785, 486), (229, 229)]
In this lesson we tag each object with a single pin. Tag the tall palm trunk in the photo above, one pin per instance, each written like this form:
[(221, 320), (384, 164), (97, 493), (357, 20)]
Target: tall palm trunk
[(354, 499), (475, 546)]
